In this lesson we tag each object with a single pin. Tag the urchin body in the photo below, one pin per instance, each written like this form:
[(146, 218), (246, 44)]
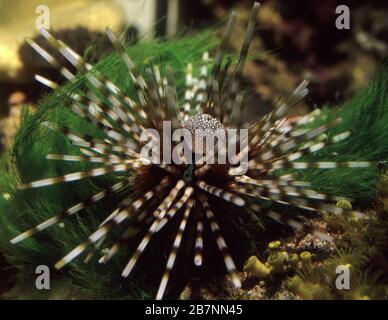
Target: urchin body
[(157, 193)]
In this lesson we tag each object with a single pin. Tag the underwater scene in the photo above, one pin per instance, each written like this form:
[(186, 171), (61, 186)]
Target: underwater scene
[(193, 150)]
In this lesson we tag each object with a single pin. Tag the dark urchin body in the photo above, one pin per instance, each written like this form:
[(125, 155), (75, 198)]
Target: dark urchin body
[(205, 194)]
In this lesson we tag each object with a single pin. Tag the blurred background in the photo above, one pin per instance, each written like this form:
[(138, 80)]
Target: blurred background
[(295, 39)]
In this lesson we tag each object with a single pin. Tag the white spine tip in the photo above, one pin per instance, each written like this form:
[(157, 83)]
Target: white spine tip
[(198, 260), (237, 282), (44, 33), (239, 202)]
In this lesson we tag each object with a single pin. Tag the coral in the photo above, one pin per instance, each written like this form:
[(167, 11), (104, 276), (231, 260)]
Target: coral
[(349, 256), (366, 286), (254, 266), (278, 262), (308, 290), (362, 248)]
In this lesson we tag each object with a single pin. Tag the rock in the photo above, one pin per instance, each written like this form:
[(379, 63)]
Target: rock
[(18, 21)]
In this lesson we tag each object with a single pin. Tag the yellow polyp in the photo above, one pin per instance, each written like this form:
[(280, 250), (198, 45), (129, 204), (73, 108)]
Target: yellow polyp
[(359, 296), (344, 204), (293, 260), (305, 256), (274, 245), (254, 266), (306, 290), (278, 260)]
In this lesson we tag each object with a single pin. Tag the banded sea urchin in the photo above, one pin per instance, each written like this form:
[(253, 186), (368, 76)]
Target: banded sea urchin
[(156, 193)]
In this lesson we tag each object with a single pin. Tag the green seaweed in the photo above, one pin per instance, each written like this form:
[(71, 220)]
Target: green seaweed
[(366, 116)]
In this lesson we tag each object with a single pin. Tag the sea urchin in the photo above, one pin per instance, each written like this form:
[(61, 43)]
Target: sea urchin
[(156, 193)]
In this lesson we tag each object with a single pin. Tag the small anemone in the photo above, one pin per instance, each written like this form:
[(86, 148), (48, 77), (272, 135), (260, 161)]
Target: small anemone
[(351, 257), (317, 273), (366, 286), (308, 290)]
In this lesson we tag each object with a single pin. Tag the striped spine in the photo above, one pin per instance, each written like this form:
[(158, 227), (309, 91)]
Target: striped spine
[(174, 251), (215, 228)]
